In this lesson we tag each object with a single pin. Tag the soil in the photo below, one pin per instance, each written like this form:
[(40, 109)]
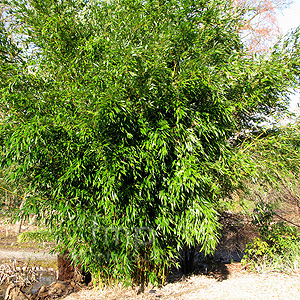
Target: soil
[(26, 255), (221, 280), (31, 251), (226, 281), (232, 283)]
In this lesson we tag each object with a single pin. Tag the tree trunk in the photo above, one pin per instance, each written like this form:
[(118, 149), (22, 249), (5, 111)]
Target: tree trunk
[(67, 270), (187, 262), (18, 225)]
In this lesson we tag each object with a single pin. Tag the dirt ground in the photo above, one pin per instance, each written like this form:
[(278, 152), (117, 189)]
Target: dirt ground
[(228, 281), (29, 251), (231, 284)]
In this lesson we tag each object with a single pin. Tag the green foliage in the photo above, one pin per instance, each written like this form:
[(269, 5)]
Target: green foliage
[(255, 250), (38, 236), (278, 243), (127, 117), (278, 235)]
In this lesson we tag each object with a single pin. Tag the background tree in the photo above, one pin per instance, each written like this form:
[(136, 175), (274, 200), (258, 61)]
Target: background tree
[(123, 117), (260, 28)]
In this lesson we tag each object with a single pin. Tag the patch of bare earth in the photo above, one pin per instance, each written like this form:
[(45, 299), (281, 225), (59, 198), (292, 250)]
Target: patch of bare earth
[(237, 284), (11, 249)]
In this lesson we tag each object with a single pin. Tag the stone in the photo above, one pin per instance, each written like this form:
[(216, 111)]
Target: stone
[(55, 290), (14, 293), (43, 289), (41, 294)]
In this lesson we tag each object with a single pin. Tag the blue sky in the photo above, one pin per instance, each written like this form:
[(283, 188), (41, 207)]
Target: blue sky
[(288, 19)]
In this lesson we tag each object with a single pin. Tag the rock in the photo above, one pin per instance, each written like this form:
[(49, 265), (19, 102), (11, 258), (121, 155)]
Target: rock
[(14, 293), (55, 290), (43, 289), (41, 294)]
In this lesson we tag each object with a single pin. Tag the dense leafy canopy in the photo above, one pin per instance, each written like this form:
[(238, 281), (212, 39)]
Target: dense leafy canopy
[(126, 119)]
